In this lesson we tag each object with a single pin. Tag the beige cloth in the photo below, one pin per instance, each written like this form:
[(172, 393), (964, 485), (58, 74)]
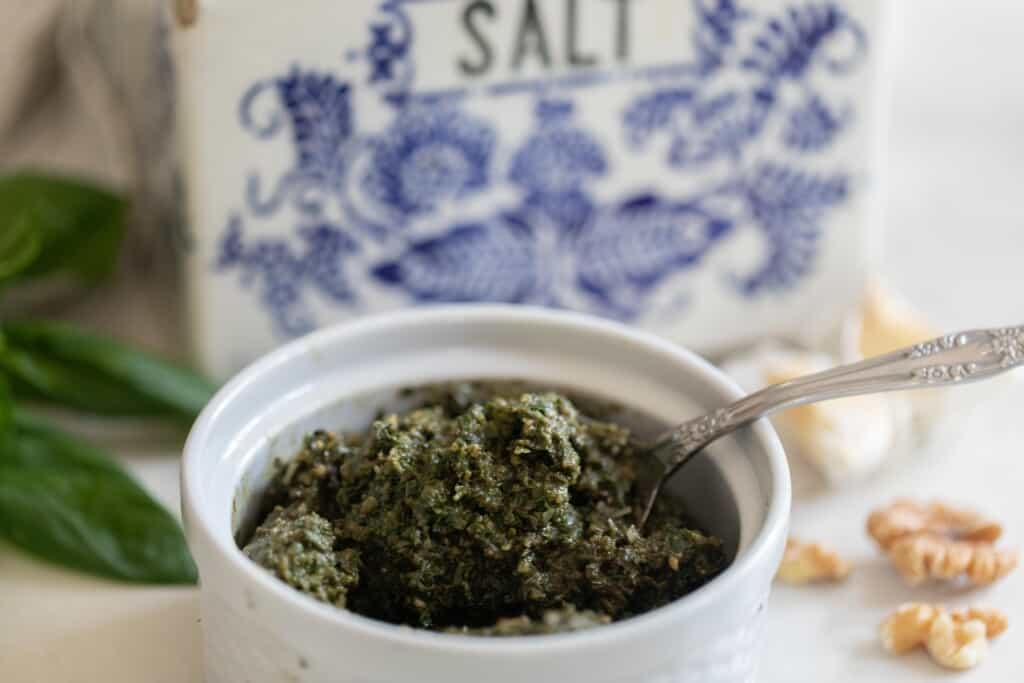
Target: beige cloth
[(85, 89)]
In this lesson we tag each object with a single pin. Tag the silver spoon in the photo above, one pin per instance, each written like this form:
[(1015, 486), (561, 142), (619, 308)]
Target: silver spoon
[(951, 359)]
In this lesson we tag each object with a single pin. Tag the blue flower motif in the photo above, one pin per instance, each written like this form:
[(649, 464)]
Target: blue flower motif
[(430, 154), (318, 109), (788, 46), (570, 212), (716, 30), (494, 261), (654, 113), (272, 266), (282, 275), (788, 205), (389, 52), (720, 127), (636, 245), (812, 126), (326, 247), (559, 157), (321, 116), (383, 52)]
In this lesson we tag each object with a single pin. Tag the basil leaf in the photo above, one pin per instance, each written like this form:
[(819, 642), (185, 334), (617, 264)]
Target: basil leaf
[(93, 523), (53, 224), (6, 408), (72, 506), (36, 377), (6, 401), (19, 247), (68, 366), (43, 447)]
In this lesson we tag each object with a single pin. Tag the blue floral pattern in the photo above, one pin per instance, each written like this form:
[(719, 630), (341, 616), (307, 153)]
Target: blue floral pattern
[(716, 32), (319, 115), (283, 276), (719, 127), (430, 154), (559, 157), (788, 46), (372, 211), (705, 123), (813, 126), (493, 261), (388, 52), (633, 247), (554, 165), (788, 205)]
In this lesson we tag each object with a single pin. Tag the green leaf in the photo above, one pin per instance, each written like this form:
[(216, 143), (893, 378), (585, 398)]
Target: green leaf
[(69, 504), (6, 401), (74, 368), (93, 523), (6, 407), (19, 247), (53, 224), (41, 446), (39, 378)]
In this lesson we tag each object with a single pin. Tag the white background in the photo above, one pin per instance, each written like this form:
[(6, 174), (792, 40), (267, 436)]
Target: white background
[(953, 242)]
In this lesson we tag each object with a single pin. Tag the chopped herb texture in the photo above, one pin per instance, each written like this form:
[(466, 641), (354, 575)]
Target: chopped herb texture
[(481, 513)]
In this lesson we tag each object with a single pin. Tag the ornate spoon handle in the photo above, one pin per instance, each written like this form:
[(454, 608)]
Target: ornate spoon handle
[(951, 359)]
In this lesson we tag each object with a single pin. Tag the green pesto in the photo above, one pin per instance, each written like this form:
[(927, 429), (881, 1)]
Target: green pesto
[(479, 513)]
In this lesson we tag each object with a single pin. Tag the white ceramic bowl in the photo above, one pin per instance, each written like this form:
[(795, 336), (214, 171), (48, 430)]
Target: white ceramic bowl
[(256, 628)]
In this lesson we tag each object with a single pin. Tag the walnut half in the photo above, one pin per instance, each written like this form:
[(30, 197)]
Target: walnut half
[(938, 541), (928, 556), (810, 562), (954, 639), (904, 517)]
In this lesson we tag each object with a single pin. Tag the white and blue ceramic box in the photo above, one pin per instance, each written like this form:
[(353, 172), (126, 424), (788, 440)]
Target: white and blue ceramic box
[(701, 168)]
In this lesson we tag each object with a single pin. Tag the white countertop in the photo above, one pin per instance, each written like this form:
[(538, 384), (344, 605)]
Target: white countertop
[(953, 243)]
